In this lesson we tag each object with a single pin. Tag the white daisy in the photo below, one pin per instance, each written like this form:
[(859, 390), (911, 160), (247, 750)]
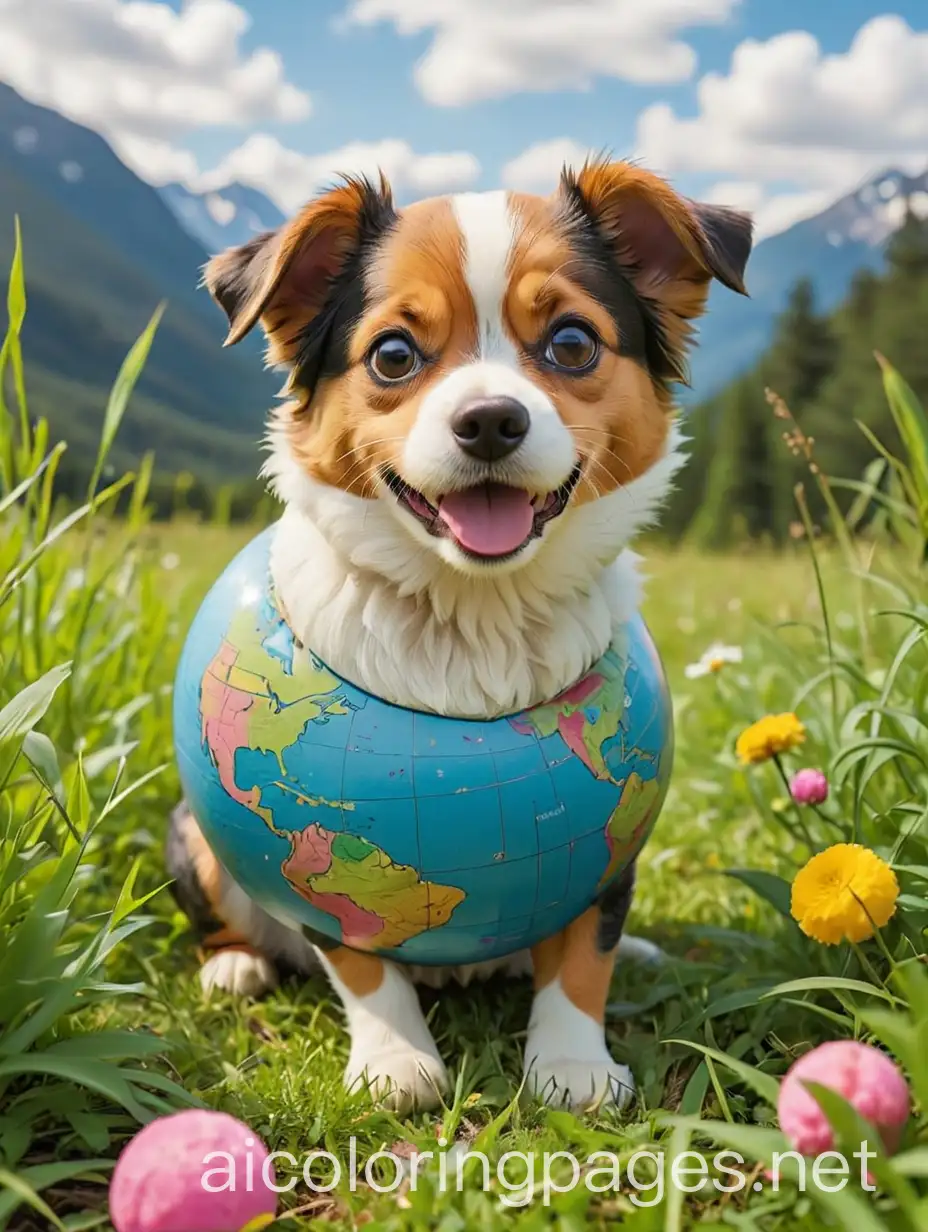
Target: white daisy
[(713, 660)]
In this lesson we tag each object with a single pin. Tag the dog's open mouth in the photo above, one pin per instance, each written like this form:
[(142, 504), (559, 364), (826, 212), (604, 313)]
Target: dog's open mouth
[(490, 521)]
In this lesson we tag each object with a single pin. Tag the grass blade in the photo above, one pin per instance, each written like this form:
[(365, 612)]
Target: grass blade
[(125, 382)]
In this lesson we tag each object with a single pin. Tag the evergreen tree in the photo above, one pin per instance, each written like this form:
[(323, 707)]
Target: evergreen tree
[(895, 323), (862, 298), (825, 370), (723, 422), (803, 351), (907, 248)]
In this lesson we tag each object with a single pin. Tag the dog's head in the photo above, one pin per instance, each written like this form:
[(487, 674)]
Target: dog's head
[(479, 371)]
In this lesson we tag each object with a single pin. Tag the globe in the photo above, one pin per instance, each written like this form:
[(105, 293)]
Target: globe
[(425, 839)]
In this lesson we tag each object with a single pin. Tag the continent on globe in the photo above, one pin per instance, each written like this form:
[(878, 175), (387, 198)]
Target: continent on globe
[(630, 821), (252, 699), (587, 715), (257, 695), (378, 903)]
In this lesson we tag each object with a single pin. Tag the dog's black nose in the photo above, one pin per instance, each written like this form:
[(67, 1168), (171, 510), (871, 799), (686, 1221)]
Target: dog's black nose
[(490, 428)]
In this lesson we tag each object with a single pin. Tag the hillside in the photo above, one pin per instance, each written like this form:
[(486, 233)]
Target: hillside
[(741, 474), (829, 249), (102, 250)]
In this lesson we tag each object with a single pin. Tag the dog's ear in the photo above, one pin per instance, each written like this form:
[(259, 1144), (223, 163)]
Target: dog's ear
[(669, 246), (283, 278)]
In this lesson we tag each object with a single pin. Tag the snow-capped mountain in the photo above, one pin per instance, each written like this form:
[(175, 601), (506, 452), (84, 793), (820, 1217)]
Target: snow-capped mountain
[(828, 248), (874, 211), (221, 219)]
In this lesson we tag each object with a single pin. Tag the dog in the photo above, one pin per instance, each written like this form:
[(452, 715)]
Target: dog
[(478, 419)]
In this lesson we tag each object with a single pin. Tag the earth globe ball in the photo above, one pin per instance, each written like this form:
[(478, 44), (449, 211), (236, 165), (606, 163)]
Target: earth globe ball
[(422, 838)]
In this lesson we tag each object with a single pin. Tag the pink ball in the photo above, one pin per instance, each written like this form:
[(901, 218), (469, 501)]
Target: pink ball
[(864, 1076), (809, 787), (164, 1181)]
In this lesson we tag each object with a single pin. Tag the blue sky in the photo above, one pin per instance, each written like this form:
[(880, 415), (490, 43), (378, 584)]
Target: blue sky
[(777, 105), (362, 87)]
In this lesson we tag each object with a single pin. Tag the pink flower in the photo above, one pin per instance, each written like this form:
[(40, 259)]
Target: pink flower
[(165, 1180), (864, 1076), (809, 787)]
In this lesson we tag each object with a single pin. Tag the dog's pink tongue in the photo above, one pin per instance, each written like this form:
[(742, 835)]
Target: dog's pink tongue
[(491, 520)]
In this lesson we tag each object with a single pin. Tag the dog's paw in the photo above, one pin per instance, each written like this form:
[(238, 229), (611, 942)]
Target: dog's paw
[(240, 972), (398, 1076), (579, 1083), (639, 950)]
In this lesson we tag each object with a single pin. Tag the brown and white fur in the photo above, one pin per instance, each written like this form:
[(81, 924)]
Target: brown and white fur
[(495, 298)]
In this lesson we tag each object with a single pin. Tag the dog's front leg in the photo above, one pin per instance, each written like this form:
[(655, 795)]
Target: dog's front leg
[(566, 1058), (392, 1050)]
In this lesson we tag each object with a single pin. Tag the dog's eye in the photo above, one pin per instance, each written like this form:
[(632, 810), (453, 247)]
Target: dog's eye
[(572, 346), (393, 358)]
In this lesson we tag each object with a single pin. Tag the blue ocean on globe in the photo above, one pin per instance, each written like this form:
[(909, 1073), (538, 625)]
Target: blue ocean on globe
[(421, 838)]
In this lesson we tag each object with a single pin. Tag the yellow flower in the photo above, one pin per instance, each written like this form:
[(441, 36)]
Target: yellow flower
[(775, 733), (831, 892)]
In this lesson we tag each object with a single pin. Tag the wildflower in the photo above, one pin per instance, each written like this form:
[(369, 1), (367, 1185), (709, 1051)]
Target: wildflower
[(808, 787), (769, 736), (842, 893), (713, 661), (863, 1075), (170, 560)]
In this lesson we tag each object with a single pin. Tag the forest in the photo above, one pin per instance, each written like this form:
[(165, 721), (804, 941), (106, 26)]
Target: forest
[(741, 475)]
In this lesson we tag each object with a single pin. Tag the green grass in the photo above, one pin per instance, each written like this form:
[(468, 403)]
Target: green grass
[(102, 1022)]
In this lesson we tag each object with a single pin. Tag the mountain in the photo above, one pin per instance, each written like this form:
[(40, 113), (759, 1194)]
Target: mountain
[(102, 250), (744, 458), (223, 218), (829, 249)]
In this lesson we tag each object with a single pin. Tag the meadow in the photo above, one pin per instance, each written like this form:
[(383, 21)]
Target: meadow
[(102, 1021)]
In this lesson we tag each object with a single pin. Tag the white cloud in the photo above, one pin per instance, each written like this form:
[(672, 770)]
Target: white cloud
[(154, 160), (290, 177), (771, 213), (741, 194), (144, 75), (484, 49), (537, 169), (781, 210), (787, 113)]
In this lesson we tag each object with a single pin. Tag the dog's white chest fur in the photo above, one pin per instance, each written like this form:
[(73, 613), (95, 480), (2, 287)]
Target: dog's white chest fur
[(464, 648)]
